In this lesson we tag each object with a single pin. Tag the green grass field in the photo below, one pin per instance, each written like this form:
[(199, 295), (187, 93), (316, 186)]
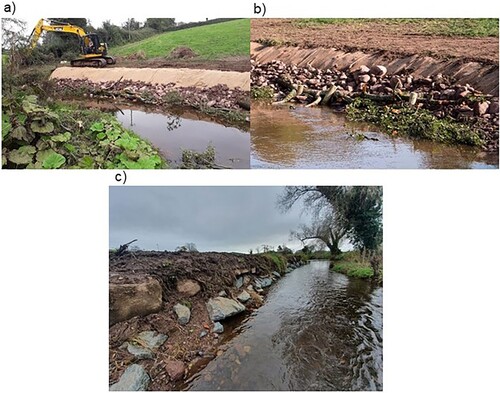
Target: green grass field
[(210, 42), (478, 27)]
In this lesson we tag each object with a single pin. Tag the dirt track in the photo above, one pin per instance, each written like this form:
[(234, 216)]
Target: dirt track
[(393, 38), (181, 77)]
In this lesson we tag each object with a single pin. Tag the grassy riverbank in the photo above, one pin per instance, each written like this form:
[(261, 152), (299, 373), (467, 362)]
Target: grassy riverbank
[(351, 264)]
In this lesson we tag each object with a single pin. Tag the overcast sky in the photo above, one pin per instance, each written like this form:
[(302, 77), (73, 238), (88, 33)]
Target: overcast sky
[(214, 218)]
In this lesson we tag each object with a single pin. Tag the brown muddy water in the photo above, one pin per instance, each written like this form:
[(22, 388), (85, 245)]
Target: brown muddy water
[(172, 133), (320, 138), (318, 330)]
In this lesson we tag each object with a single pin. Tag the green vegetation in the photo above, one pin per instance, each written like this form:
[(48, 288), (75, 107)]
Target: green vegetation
[(413, 122), (37, 136), (279, 261), (264, 94), (209, 42), (478, 27), (351, 264)]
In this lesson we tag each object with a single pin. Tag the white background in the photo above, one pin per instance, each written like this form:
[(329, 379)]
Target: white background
[(441, 237)]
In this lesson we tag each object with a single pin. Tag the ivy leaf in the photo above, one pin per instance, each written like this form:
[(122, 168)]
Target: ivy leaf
[(54, 161)]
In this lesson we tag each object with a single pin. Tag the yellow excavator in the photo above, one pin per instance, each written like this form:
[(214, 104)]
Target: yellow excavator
[(93, 52)]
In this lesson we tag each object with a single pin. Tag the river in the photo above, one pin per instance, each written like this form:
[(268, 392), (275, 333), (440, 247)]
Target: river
[(320, 138), (318, 330)]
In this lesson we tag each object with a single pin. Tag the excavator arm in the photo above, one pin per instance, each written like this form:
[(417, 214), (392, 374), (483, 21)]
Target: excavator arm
[(41, 26)]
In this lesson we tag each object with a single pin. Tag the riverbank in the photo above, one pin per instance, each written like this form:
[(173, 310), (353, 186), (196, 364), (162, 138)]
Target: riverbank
[(433, 107), (352, 264), (170, 312)]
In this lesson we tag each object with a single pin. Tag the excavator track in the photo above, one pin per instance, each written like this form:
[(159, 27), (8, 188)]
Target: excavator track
[(110, 60), (97, 63)]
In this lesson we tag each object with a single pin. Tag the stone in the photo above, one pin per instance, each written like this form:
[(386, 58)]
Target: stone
[(203, 333), (263, 282), (131, 300), (364, 69), (238, 283), (174, 369), (364, 78), (243, 296), (134, 378), (276, 274), (222, 293), (379, 70), (188, 287), (151, 339), (218, 328), (220, 308), (250, 288), (481, 108), (183, 313), (139, 352), (493, 109)]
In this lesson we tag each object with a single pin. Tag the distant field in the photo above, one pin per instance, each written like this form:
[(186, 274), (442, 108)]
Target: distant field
[(479, 27), (209, 42)]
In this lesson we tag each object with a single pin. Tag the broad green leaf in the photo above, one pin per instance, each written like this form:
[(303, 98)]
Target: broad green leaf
[(69, 147), (42, 128), (6, 125), (22, 134), (21, 118), (42, 155), (23, 155), (97, 127), (86, 162), (54, 161), (61, 137), (126, 143), (101, 136)]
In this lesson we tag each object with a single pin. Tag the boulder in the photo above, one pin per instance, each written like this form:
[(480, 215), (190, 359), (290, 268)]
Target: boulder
[(493, 109), (481, 108), (220, 308), (183, 313), (364, 69), (174, 369), (263, 282), (134, 378), (218, 328), (139, 352), (364, 78), (243, 296), (238, 283), (188, 287), (379, 70), (276, 274), (130, 300), (151, 340)]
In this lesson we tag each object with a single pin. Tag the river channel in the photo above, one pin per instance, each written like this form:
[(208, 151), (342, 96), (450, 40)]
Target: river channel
[(320, 138), (318, 330)]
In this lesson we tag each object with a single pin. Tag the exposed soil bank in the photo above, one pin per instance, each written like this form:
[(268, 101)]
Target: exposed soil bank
[(398, 39), (181, 77), (145, 287)]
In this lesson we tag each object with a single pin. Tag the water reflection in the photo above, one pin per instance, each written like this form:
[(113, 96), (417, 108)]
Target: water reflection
[(318, 330), (319, 138), (173, 133)]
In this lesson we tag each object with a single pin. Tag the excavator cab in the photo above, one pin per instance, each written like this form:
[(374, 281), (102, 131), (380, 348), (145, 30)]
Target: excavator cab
[(91, 45)]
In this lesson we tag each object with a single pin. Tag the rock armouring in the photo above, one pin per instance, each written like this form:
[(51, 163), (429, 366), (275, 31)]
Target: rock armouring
[(436, 93), (134, 378), (219, 96), (220, 308)]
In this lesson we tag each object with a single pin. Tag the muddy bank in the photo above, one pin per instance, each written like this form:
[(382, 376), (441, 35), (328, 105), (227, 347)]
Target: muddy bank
[(181, 77), (169, 311), (468, 116)]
